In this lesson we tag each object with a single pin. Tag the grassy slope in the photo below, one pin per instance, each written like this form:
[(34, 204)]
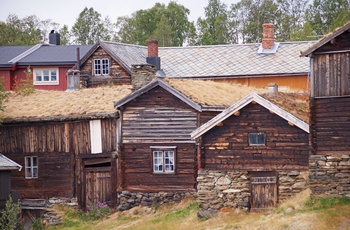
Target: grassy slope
[(296, 213)]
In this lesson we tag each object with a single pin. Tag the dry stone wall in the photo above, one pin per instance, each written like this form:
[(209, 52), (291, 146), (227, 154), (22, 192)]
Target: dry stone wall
[(330, 175), (142, 75), (231, 189)]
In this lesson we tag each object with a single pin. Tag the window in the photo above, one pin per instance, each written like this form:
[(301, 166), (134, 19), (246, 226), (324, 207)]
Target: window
[(101, 66), (256, 139), (164, 161), (45, 76), (95, 136), (31, 167)]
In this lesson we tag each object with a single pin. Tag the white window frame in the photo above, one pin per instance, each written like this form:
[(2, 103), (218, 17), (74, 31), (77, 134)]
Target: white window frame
[(95, 136), (163, 159), (29, 169), (256, 144), (102, 67), (42, 80)]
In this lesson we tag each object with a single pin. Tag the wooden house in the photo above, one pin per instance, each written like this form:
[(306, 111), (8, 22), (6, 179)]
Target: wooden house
[(65, 141), (330, 113), (6, 166), (156, 152), (255, 153)]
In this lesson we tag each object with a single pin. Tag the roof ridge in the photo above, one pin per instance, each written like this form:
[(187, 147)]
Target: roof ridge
[(125, 44), (25, 53)]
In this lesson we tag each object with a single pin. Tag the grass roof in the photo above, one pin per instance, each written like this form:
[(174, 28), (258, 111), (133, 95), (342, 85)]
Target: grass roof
[(43, 103), (213, 93)]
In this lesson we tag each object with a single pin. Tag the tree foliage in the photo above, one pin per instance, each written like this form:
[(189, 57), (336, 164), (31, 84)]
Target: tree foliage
[(89, 27), (9, 216)]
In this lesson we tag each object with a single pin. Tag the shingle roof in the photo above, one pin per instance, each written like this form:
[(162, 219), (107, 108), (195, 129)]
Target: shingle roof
[(9, 52), (8, 164), (52, 54), (219, 60)]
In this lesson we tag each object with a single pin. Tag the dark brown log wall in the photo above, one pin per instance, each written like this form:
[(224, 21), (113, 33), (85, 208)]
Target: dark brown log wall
[(118, 75), (226, 147), (158, 117), (330, 126), (137, 160), (59, 147)]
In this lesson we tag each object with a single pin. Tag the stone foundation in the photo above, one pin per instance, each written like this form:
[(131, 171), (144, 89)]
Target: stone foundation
[(128, 200), (231, 189), (330, 175)]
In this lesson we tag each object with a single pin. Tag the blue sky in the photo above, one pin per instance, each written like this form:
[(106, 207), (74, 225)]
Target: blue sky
[(67, 11)]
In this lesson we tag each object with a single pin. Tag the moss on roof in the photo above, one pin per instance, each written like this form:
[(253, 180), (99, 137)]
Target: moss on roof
[(43, 103)]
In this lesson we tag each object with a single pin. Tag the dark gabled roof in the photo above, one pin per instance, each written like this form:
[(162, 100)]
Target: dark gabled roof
[(241, 104), (9, 52), (324, 40), (54, 55), (8, 164), (152, 85)]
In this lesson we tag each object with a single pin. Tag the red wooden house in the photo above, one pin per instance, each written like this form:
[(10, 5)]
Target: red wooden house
[(330, 114), (253, 154)]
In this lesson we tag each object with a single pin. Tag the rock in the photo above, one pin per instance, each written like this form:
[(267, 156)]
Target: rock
[(124, 207), (205, 214), (289, 210), (223, 181), (232, 191)]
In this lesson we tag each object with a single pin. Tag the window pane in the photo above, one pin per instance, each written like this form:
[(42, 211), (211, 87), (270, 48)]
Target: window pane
[(28, 172), (46, 75), (169, 161), (53, 75), (105, 66), (257, 139), (28, 162), (35, 161), (38, 76), (97, 65), (35, 172)]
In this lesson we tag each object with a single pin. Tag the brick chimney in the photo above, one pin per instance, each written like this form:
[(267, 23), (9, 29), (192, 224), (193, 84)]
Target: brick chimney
[(268, 36), (153, 58)]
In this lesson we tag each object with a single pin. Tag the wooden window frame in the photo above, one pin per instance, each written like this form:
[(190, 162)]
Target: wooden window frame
[(103, 66), (42, 81), (258, 144), (163, 150), (31, 167)]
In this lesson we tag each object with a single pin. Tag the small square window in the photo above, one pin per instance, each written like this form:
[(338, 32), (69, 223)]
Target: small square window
[(163, 161), (256, 139), (101, 66), (31, 167)]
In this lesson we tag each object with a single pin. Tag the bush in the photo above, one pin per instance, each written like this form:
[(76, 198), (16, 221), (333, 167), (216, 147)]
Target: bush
[(9, 216), (24, 86)]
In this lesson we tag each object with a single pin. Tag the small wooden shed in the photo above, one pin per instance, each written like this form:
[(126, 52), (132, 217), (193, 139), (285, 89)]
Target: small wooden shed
[(330, 113), (6, 166), (254, 153)]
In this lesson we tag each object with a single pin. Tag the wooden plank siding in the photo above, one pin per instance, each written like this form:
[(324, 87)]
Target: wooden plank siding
[(330, 125), (59, 147), (157, 118), (118, 75), (227, 147)]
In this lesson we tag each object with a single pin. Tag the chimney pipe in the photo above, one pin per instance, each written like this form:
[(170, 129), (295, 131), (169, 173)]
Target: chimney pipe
[(54, 38), (268, 36), (153, 58)]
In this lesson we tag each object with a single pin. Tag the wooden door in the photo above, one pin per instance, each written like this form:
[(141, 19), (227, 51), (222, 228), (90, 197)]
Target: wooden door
[(263, 192), (98, 185)]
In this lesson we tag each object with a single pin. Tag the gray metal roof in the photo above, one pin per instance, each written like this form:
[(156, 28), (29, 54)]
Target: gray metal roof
[(9, 52), (8, 164), (219, 60), (52, 54)]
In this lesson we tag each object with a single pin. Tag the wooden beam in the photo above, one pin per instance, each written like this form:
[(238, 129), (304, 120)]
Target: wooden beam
[(290, 123), (220, 124), (254, 102), (272, 112), (237, 113)]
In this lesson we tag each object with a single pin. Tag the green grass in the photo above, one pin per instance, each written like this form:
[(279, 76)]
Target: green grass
[(325, 203)]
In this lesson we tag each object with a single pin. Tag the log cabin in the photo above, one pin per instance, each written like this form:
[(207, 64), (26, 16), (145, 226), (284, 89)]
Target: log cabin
[(330, 114), (156, 152), (255, 153), (66, 142)]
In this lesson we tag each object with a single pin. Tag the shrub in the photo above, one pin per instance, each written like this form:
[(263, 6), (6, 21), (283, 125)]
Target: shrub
[(9, 216), (24, 86)]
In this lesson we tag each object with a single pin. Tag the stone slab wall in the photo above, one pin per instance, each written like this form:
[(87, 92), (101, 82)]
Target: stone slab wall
[(128, 200), (330, 175), (141, 75), (231, 189)]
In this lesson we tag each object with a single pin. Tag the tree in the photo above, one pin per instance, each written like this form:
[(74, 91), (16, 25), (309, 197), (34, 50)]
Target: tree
[(213, 28), (65, 35), (9, 216), (325, 15), (169, 23), (16, 31), (89, 27)]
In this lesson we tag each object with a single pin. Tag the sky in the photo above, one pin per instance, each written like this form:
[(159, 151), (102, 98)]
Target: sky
[(65, 12)]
